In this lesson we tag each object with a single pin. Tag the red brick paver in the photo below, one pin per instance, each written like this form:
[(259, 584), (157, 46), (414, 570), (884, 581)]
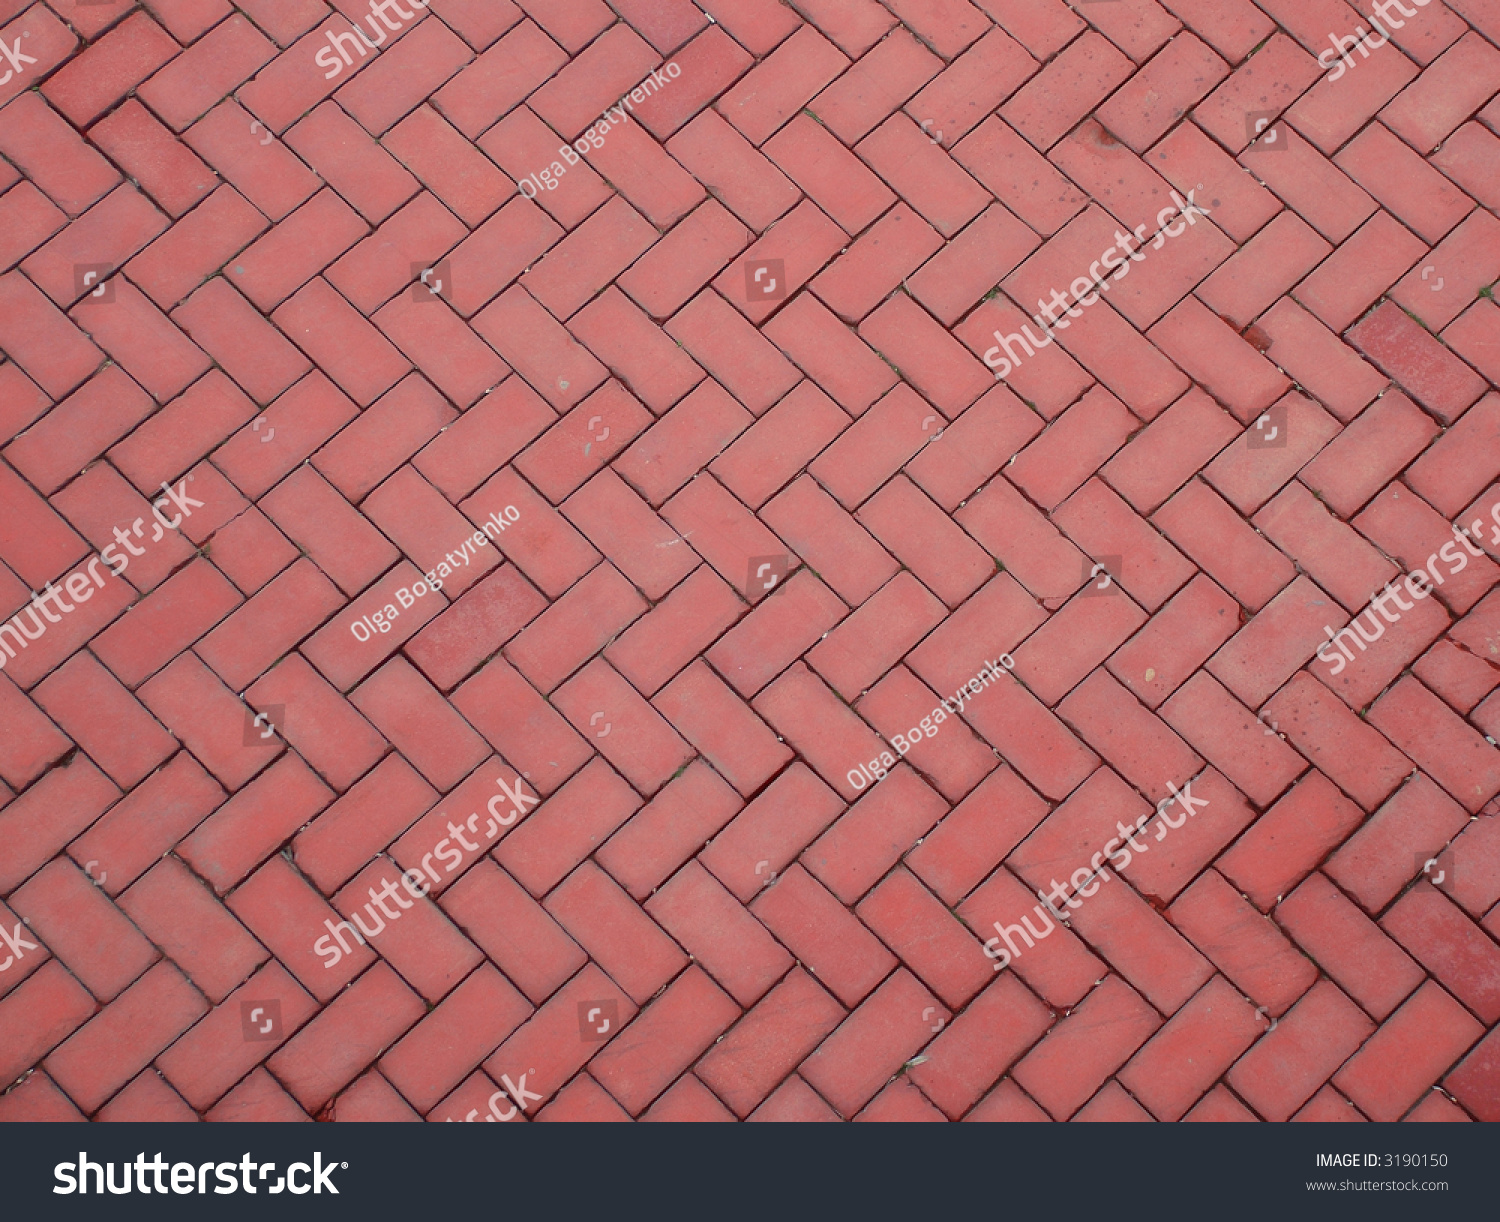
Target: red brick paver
[(525, 564)]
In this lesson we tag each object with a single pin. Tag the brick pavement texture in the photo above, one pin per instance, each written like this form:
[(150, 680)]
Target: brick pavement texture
[(733, 371)]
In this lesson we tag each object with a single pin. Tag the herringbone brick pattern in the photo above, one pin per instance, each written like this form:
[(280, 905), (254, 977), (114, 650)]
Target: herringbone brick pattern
[(761, 520)]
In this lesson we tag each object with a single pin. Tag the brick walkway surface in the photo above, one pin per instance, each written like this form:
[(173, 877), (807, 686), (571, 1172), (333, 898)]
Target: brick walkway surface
[(700, 436)]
